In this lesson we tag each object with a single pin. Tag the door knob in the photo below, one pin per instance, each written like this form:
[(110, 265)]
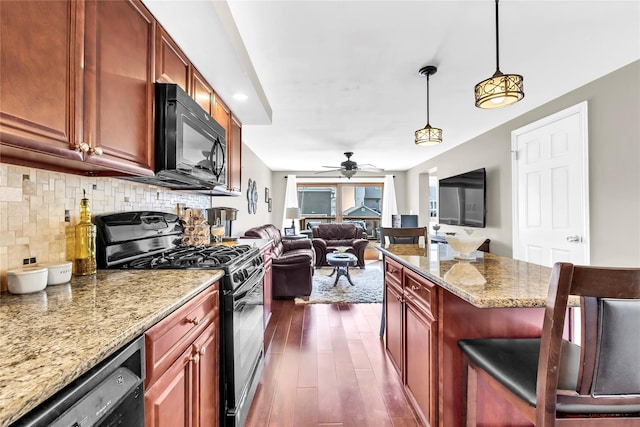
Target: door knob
[(573, 239)]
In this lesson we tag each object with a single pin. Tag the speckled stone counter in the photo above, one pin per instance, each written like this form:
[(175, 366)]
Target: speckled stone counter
[(51, 337), (488, 282)]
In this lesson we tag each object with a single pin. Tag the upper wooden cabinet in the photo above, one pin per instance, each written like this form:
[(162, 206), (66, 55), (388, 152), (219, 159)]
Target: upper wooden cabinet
[(119, 92), (202, 92), (41, 79), (234, 156), (76, 86), (172, 66)]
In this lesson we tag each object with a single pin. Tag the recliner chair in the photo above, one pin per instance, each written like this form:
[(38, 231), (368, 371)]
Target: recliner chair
[(292, 262), (328, 237)]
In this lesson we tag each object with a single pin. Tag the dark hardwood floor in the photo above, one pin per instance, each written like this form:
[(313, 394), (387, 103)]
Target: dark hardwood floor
[(325, 365)]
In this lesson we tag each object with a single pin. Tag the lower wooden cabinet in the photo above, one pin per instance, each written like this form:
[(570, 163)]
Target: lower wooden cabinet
[(411, 337), (420, 349), (394, 324), (183, 391), (267, 283)]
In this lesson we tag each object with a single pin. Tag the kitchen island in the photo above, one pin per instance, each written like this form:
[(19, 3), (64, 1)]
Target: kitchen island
[(432, 300), (50, 338)]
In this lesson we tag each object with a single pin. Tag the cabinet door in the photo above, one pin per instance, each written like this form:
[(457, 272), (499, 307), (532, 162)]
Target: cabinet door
[(221, 114), (267, 285), (40, 79), (167, 403), (119, 75), (172, 66), (419, 368), (393, 322), (206, 408), (234, 156), (202, 92)]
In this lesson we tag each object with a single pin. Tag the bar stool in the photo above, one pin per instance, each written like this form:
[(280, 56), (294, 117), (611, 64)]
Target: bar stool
[(554, 382)]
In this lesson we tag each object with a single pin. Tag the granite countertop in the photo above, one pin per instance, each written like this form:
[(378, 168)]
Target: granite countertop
[(488, 282), (51, 337)]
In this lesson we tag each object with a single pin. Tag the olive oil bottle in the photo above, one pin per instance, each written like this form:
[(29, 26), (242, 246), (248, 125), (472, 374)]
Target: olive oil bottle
[(84, 260)]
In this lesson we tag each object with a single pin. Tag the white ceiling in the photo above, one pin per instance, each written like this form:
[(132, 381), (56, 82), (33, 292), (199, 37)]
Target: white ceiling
[(325, 77)]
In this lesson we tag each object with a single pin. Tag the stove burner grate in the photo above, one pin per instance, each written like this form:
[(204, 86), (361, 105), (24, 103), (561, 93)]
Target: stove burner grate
[(191, 257)]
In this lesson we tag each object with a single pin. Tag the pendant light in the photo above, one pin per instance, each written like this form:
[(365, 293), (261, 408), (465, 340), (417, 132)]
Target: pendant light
[(500, 89), (428, 135)]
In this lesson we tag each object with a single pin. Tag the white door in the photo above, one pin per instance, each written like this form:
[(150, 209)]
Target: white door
[(551, 189)]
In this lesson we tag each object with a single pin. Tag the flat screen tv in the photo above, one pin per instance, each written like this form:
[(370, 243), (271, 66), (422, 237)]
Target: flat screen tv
[(462, 199)]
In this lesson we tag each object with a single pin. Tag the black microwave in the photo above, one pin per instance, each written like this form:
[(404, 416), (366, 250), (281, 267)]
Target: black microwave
[(190, 146)]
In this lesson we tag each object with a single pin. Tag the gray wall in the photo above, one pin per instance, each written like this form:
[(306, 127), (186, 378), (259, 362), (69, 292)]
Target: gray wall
[(254, 168), (614, 168)]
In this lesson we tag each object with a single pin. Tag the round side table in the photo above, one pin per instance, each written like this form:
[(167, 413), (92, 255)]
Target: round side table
[(341, 263)]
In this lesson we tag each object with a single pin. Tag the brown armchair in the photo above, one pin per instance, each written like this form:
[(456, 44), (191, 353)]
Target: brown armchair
[(292, 262), (328, 237)]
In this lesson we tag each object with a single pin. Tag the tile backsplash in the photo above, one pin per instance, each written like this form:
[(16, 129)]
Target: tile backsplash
[(33, 204)]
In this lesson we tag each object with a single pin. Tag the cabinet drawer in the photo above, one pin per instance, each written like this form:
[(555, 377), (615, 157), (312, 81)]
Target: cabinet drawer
[(393, 271), (171, 336), (420, 291)]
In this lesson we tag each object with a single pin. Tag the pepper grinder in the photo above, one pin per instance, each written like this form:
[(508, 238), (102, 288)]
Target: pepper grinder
[(84, 260)]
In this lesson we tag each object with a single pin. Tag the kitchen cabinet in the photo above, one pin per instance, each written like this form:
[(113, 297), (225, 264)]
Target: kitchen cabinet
[(172, 65), (76, 86), (41, 81), (234, 156), (119, 92), (268, 279), (411, 336), (221, 114), (182, 363), (437, 308), (393, 308), (420, 348), (202, 92), (233, 133)]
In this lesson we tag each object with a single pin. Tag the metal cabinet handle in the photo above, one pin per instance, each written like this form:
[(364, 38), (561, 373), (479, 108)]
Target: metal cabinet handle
[(195, 358), (415, 287), (194, 321), (96, 150), (573, 239), (202, 351)]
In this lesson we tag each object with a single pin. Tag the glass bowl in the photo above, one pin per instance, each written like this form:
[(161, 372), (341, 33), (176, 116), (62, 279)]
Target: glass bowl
[(465, 245)]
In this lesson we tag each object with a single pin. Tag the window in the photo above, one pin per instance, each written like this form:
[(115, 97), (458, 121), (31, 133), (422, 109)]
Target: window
[(433, 198), (357, 203)]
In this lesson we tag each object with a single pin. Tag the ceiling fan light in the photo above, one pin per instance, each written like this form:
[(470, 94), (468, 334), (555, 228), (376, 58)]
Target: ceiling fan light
[(499, 90), (348, 172), (428, 136)]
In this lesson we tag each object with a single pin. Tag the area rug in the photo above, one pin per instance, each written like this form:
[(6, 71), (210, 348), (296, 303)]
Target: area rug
[(368, 287)]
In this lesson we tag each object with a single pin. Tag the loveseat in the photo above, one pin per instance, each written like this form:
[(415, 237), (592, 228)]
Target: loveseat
[(292, 262), (328, 237)]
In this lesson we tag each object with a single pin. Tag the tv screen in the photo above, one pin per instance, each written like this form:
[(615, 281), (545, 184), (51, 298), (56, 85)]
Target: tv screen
[(462, 199)]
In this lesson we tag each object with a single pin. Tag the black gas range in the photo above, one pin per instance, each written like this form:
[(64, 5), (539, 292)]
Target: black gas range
[(153, 240)]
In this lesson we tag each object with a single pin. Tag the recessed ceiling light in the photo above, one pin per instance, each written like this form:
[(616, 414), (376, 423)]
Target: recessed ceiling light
[(240, 97)]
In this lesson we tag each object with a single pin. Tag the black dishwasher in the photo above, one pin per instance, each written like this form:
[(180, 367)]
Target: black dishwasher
[(110, 394)]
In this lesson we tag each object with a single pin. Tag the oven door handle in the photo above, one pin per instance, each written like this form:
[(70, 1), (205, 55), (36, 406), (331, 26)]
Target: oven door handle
[(249, 284)]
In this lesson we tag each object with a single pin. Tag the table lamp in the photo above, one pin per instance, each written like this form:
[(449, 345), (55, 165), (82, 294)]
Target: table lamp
[(292, 214)]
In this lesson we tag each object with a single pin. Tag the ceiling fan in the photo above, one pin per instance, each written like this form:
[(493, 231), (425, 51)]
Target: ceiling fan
[(349, 167)]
